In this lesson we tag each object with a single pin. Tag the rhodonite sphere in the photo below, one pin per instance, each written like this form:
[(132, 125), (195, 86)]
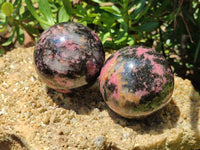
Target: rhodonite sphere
[(68, 56), (136, 81)]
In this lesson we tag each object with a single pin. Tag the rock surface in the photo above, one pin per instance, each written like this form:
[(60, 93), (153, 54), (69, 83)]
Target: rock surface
[(33, 116)]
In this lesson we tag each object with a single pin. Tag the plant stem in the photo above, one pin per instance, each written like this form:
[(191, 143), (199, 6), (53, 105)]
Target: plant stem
[(161, 41)]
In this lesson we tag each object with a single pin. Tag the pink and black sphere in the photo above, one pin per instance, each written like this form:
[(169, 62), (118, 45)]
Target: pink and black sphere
[(136, 81), (68, 56)]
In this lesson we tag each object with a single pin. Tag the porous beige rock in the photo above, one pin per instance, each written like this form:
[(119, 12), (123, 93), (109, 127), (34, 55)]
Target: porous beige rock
[(33, 116)]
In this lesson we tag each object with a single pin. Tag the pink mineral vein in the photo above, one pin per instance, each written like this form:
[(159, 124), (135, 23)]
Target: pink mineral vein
[(95, 36), (105, 69), (114, 80), (141, 51), (91, 67), (141, 93), (108, 65), (158, 83), (157, 68), (70, 45)]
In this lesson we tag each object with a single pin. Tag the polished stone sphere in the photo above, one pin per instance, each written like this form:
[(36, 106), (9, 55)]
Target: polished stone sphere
[(136, 81), (68, 56)]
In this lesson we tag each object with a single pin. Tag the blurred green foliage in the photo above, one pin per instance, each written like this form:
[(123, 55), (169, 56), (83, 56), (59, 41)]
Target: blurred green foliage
[(171, 27)]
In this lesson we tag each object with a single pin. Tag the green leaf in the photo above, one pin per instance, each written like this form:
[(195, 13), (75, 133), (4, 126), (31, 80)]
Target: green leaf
[(9, 41), (81, 12), (107, 19), (146, 27), (26, 15), (30, 29), (122, 38), (62, 15), (84, 23), (113, 10), (104, 37), (97, 1), (124, 26), (91, 14), (97, 20), (4, 26), (46, 11), (7, 8), (2, 16), (131, 40), (53, 7), (138, 8), (33, 12), (17, 8), (44, 26), (166, 51), (1, 52), (20, 36), (143, 12), (68, 7), (16, 2)]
